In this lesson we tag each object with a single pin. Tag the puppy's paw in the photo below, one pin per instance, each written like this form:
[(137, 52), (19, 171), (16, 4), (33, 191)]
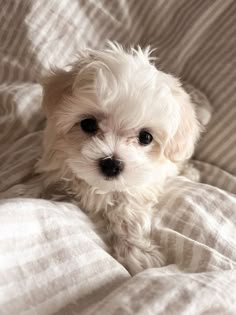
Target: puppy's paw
[(137, 259)]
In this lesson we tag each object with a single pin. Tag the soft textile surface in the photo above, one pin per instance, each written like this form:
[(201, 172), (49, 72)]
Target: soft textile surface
[(53, 260)]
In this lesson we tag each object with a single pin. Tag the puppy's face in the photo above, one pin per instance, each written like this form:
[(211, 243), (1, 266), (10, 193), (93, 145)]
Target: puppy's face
[(116, 121)]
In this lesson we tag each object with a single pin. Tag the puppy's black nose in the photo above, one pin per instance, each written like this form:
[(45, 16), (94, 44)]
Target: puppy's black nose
[(111, 167)]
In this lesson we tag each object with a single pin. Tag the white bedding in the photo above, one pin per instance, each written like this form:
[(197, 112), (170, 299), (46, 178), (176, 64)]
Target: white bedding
[(53, 260)]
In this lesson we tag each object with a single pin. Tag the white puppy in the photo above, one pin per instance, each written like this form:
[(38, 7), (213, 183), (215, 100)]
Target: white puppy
[(117, 128)]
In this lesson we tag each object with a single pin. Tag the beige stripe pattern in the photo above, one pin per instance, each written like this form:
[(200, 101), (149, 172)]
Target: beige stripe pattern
[(53, 260)]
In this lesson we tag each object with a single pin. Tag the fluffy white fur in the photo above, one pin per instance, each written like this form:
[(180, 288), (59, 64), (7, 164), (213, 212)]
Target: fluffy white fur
[(125, 92)]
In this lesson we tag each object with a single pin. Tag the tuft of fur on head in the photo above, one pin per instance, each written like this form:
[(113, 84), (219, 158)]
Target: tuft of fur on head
[(126, 94)]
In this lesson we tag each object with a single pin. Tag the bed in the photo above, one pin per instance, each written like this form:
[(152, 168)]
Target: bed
[(53, 259)]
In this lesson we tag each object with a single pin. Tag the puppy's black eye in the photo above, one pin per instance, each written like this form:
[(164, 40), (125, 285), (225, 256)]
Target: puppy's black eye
[(145, 137), (89, 125)]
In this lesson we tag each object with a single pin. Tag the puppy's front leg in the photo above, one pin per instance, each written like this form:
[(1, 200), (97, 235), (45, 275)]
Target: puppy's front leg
[(131, 240)]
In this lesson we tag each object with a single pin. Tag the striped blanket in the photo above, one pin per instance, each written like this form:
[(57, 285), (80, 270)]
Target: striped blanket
[(53, 260)]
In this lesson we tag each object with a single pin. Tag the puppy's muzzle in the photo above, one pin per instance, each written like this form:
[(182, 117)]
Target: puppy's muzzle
[(111, 167)]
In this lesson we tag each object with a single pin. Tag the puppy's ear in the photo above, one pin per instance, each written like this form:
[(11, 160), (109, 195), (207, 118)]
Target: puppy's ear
[(181, 145), (202, 105), (60, 83), (55, 86)]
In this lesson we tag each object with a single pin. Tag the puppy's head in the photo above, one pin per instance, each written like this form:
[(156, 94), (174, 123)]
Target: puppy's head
[(116, 121)]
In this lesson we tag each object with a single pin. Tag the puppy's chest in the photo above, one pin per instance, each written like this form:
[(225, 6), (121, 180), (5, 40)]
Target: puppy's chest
[(93, 201), (121, 203)]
